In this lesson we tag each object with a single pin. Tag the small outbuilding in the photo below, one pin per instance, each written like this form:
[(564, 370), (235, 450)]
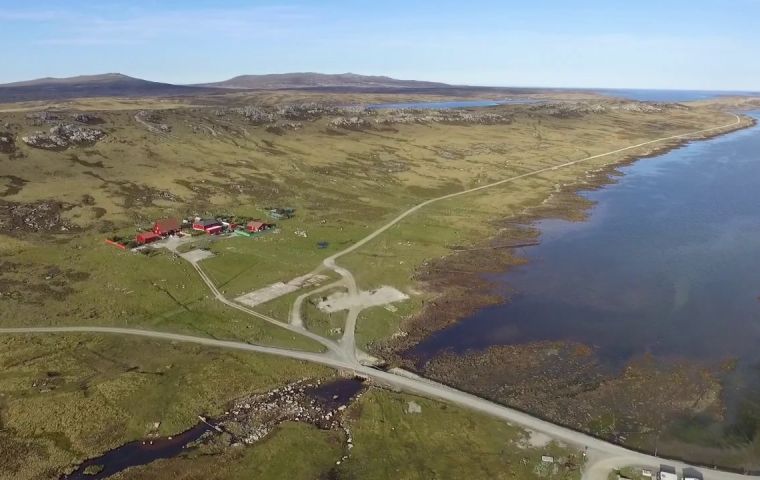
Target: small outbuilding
[(166, 226), (257, 226), (147, 237), (281, 213)]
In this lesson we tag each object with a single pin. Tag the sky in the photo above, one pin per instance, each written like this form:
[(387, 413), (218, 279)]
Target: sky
[(672, 44)]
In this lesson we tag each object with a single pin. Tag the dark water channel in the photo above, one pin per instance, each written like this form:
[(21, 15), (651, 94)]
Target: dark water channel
[(329, 395), (337, 393), (668, 263), (140, 452)]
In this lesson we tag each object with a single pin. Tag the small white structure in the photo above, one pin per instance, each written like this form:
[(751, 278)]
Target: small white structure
[(547, 459), (646, 473)]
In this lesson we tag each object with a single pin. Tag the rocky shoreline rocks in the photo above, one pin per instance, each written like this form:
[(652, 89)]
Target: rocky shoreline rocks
[(566, 383)]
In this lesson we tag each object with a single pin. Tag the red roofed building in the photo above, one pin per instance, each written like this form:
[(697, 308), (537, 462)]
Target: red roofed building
[(147, 237), (166, 226), (208, 225)]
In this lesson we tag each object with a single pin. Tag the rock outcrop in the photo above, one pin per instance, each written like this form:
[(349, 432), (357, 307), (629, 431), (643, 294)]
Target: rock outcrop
[(43, 216), (350, 123), (281, 127), (152, 121), (284, 117), (7, 142), (64, 136), (453, 116), (255, 115), (305, 111), (41, 118), (87, 119), (572, 109)]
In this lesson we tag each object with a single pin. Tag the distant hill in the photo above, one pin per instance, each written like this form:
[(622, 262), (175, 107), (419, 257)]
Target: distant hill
[(351, 81), (119, 85), (106, 85)]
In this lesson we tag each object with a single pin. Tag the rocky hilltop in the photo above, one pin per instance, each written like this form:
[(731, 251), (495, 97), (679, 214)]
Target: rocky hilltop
[(362, 118)]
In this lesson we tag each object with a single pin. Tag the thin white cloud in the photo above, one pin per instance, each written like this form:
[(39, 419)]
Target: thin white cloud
[(140, 26)]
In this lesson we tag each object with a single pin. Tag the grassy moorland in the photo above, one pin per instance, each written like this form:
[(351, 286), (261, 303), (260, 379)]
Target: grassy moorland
[(57, 206), (439, 441), (65, 399)]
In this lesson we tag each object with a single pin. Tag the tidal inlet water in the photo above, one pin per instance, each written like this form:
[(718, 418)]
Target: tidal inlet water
[(667, 264)]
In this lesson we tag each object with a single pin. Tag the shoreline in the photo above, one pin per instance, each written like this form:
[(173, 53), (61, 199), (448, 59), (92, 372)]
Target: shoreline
[(565, 204), (461, 290)]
